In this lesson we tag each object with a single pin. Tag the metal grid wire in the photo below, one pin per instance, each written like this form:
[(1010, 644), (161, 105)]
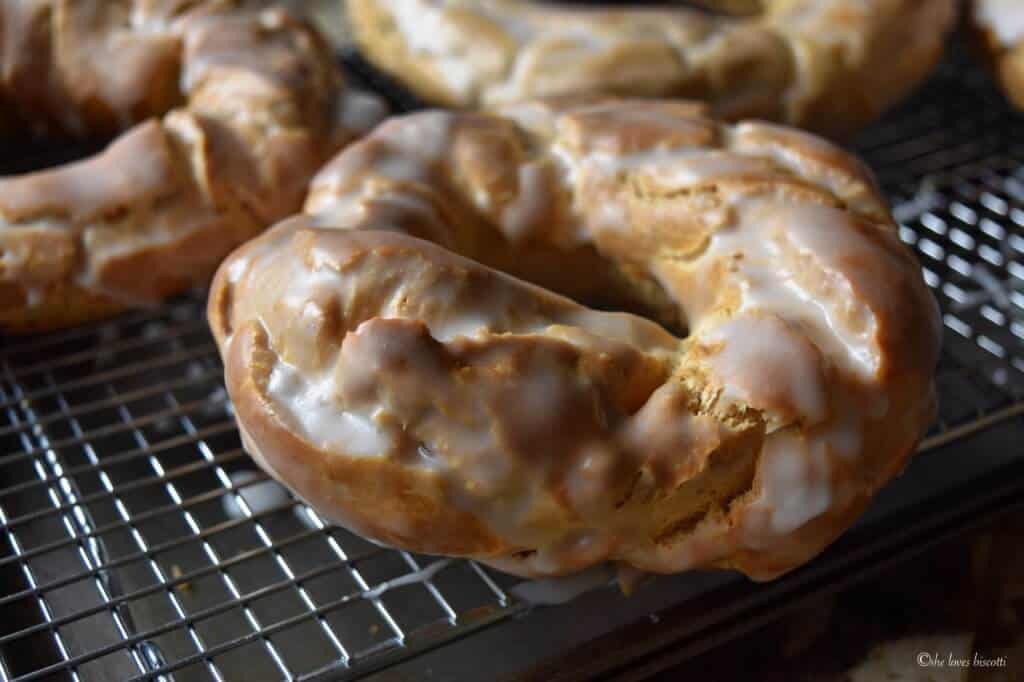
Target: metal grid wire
[(141, 542)]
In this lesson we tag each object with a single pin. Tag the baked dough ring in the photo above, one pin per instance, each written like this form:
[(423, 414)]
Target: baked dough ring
[(430, 401), (1000, 26), (828, 65), (256, 106)]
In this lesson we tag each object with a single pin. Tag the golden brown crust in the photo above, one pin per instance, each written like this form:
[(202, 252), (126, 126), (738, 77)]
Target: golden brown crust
[(998, 28), (260, 106), (433, 402), (827, 65)]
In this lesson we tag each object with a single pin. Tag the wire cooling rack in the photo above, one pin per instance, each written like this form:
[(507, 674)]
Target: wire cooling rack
[(139, 541)]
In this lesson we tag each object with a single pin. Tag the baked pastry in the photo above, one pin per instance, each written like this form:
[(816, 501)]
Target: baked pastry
[(389, 361), (256, 105), (828, 65), (1000, 27)]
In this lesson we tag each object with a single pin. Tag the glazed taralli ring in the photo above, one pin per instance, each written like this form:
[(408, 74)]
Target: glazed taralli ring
[(256, 105), (1000, 25), (827, 65), (399, 357)]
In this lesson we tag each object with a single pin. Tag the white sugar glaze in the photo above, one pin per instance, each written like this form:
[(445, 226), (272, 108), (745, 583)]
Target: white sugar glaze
[(788, 369), (424, 575), (313, 406), (771, 270), (1005, 18), (796, 486)]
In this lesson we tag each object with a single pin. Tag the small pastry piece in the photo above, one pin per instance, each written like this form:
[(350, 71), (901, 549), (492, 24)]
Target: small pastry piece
[(399, 356), (828, 65), (999, 25), (256, 105)]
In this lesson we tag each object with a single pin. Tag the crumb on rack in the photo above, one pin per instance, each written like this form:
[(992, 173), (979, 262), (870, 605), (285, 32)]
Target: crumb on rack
[(176, 574)]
